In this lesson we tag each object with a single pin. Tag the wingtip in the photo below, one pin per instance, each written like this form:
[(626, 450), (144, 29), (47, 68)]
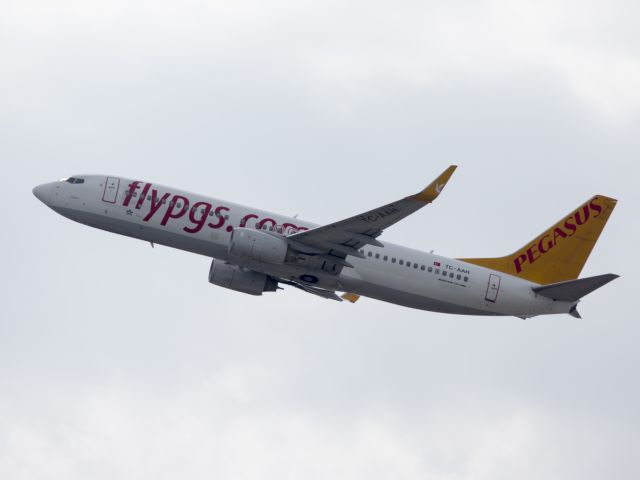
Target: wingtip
[(431, 192), (608, 277), (574, 312)]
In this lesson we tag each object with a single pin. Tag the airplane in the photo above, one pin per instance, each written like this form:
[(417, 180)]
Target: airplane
[(254, 251)]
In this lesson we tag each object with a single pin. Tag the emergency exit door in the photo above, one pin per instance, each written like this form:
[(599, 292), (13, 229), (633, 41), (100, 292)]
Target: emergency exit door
[(111, 187), (493, 286)]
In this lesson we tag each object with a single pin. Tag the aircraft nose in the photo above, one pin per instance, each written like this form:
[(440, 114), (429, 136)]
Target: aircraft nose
[(43, 192)]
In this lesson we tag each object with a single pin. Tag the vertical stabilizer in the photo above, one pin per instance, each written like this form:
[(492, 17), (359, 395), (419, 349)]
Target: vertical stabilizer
[(559, 253)]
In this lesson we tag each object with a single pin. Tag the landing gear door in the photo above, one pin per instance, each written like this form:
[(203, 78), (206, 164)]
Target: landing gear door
[(111, 187), (493, 286)]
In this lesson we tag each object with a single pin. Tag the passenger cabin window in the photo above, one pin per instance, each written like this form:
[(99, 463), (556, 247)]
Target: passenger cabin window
[(377, 255), (422, 267), (369, 253), (385, 258), (393, 259), (401, 262)]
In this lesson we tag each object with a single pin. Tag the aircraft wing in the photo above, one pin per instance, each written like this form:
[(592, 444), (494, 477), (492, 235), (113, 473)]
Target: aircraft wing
[(336, 241)]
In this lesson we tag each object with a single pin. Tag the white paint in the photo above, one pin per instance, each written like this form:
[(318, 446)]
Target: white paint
[(444, 289)]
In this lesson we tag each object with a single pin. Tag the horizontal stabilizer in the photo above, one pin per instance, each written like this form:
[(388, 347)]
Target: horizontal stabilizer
[(574, 290)]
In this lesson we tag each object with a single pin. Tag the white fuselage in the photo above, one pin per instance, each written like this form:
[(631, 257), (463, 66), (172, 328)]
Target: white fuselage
[(203, 225)]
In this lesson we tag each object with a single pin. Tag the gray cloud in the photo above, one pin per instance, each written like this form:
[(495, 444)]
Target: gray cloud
[(117, 360)]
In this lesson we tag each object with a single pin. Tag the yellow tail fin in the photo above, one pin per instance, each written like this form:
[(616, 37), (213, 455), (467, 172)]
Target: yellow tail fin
[(559, 253)]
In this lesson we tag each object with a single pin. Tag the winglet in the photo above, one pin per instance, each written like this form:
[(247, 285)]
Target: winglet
[(430, 193)]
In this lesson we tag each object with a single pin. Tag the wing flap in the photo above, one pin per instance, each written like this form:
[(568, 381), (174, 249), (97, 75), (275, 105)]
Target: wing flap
[(320, 292), (350, 297)]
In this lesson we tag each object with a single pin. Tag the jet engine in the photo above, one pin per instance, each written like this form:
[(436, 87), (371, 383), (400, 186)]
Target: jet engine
[(249, 245), (239, 279)]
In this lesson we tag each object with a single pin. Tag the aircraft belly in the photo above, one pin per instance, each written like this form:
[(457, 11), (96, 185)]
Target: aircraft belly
[(414, 289), (409, 299), (147, 233)]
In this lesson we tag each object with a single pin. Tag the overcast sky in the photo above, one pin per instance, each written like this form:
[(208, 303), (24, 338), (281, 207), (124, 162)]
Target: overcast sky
[(121, 361)]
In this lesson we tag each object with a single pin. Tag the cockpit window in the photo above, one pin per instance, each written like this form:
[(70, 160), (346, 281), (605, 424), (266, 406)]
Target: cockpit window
[(73, 180)]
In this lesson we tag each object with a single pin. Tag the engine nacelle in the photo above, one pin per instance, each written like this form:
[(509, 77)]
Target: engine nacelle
[(241, 280), (253, 245)]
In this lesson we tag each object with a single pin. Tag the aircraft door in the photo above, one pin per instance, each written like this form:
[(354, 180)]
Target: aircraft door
[(493, 286), (111, 187)]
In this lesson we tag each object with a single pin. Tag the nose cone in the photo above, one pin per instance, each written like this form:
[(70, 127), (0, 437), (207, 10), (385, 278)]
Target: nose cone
[(43, 192)]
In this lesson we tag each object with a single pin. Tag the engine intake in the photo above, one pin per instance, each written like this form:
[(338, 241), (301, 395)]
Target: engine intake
[(241, 280), (248, 245)]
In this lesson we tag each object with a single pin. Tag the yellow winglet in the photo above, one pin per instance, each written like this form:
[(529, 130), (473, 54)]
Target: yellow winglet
[(350, 297), (430, 193)]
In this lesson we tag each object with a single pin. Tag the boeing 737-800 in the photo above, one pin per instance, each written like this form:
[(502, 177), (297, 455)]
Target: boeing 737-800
[(254, 251)]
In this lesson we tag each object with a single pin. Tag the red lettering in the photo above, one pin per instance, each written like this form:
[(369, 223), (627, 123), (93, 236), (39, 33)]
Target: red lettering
[(220, 217), (172, 206), (145, 190), (542, 248), (245, 219), (570, 226), (558, 232), (585, 211), (132, 188), (289, 228), (595, 207), (156, 203), (518, 262), (261, 223), (531, 251), (198, 222)]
